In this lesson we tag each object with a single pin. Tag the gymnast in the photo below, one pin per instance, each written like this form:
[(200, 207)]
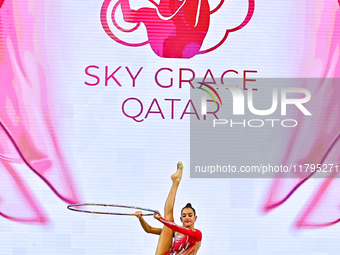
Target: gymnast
[(187, 238)]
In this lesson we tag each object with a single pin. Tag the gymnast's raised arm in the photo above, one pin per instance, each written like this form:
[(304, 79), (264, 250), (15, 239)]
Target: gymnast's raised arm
[(193, 233), (147, 228)]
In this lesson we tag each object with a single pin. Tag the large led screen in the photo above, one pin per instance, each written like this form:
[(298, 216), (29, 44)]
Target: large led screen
[(100, 100)]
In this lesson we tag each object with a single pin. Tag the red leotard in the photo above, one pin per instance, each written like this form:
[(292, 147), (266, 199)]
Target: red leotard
[(182, 243)]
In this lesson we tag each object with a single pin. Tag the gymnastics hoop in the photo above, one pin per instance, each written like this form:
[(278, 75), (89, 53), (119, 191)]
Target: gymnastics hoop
[(71, 207)]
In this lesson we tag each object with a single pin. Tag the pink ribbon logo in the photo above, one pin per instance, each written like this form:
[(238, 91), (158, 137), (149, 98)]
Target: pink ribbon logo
[(175, 29)]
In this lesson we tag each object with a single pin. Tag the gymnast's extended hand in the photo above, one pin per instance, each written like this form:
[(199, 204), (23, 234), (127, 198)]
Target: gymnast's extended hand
[(147, 228), (138, 214), (157, 215)]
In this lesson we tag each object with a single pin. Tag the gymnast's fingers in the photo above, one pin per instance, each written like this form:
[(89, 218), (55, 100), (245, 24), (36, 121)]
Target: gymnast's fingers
[(157, 215), (138, 214)]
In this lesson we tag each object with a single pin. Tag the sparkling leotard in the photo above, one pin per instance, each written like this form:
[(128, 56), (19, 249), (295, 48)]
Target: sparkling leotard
[(183, 242)]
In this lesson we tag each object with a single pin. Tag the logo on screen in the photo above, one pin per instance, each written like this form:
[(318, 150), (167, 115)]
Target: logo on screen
[(175, 28), (211, 95)]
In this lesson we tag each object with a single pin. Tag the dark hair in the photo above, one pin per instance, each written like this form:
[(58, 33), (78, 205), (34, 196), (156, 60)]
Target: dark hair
[(189, 206)]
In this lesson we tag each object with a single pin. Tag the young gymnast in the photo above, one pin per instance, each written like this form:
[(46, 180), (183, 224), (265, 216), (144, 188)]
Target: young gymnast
[(187, 238)]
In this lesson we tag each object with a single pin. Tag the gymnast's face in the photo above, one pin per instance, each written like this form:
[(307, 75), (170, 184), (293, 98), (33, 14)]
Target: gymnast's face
[(188, 217)]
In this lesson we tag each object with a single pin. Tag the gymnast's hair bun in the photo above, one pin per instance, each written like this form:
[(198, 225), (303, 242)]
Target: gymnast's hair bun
[(189, 206)]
